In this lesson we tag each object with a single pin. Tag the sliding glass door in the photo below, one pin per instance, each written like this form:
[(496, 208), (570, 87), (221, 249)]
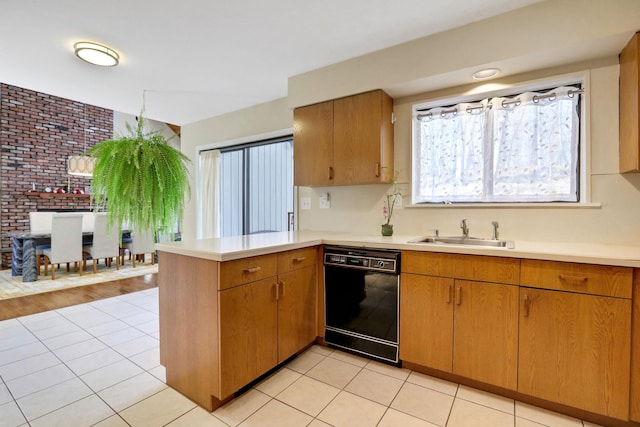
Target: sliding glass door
[(256, 184)]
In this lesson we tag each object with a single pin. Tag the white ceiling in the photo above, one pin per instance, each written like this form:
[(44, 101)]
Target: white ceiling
[(194, 59)]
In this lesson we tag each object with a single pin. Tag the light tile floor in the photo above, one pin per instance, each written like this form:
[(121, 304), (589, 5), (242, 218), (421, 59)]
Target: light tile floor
[(98, 364)]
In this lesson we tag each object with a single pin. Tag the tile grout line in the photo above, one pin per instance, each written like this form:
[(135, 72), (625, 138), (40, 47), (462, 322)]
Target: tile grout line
[(63, 363), (24, 416)]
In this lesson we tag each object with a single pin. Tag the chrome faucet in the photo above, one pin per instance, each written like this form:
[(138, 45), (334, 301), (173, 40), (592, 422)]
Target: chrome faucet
[(494, 235), (465, 229)]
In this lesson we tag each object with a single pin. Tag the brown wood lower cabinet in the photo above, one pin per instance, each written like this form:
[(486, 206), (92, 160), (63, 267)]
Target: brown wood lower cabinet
[(486, 332), (296, 311), (634, 410), (464, 327), (574, 350), (218, 335), (426, 321), (248, 329), (560, 332)]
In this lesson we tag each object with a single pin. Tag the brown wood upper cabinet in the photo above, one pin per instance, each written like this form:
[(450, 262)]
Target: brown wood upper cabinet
[(630, 106), (344, 141)]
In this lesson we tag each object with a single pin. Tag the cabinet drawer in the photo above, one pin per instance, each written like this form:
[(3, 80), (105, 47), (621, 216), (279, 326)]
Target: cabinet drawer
[(575, 277), (470, 267), (487, 269), (245, 270), (428, 263), (297, 259)]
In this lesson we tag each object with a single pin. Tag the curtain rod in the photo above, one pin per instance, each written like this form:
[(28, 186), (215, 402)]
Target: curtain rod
[(536, 98)]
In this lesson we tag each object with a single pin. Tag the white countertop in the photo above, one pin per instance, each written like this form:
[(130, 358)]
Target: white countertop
[(230, 248)]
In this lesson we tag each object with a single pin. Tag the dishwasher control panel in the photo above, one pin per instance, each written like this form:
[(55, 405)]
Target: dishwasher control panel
[(361, 258)]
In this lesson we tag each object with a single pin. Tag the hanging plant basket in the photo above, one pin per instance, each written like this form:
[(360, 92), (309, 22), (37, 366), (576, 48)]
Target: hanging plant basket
[(142, 180)]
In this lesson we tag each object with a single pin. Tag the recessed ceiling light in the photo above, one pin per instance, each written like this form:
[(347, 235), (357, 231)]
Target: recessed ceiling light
[(486, 73), (96, 54)]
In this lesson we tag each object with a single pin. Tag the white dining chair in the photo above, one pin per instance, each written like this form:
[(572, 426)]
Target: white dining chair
[(88, 221), (142, 242), (66, 242), (40, 223), (106, 242)]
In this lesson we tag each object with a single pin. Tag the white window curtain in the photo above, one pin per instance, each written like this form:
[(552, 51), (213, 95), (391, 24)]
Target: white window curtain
[(517, 149), (209, 195), (536, 146), (451, 153)]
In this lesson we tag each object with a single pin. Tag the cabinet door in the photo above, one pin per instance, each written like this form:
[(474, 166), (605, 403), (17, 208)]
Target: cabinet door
[(360, 140), (296, 311), (574, 350), (629, 106), (248, 333), (426, 321), (486, 332), (634, 411), (313, 144)]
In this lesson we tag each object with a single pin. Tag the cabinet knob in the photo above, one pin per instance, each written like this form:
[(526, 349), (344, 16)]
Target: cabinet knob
[(251, 269), (299, 259)]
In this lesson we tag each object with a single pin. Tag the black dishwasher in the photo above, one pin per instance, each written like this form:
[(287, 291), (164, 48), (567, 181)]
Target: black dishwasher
[(361, 300)]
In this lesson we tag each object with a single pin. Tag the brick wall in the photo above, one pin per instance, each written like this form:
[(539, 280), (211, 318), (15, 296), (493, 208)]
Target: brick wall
[(37, 134)]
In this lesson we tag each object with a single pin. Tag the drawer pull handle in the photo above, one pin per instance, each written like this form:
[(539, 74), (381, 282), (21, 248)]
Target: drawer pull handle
[(299, 259), (330, 172), (251, 269), (377, 170), (277, 290), (527, 303), (572, 278), (458, 295), (449, 294)]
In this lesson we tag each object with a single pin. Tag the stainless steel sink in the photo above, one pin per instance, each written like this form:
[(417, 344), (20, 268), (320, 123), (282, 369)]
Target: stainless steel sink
[(461, 240)]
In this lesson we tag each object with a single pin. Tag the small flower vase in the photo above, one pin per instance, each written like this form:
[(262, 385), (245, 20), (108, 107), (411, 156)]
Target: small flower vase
[(387, 229)]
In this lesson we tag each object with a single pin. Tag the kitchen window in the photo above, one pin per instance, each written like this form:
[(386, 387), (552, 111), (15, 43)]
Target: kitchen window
[(516, 147)]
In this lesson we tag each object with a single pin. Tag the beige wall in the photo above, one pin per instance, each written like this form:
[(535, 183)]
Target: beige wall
[(612, 220), (451, 56), (121, 120), (538, 36)]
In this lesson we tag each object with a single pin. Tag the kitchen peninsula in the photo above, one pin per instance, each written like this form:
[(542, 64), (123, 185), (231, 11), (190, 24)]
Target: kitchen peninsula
[(231, 309)]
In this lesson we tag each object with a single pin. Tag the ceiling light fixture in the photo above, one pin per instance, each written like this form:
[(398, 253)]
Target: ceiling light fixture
[(96, 54), (486, 73)]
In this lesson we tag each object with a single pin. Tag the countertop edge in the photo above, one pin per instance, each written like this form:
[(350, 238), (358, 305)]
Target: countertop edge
[(237, 247)]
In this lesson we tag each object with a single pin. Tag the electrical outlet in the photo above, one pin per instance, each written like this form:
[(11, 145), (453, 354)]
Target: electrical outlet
[(325, 203), (305, 203)]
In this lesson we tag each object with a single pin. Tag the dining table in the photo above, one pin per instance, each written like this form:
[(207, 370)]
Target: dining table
[(23, 257)]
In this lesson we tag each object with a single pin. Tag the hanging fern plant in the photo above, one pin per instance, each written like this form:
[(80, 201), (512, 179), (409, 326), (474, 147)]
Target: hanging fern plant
[(142, 180)]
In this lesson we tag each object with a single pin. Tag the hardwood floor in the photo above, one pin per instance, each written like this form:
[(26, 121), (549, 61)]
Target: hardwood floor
[(31, 304)]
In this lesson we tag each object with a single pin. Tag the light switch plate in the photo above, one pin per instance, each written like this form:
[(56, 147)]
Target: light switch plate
[(325, 203), (305, 203)]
